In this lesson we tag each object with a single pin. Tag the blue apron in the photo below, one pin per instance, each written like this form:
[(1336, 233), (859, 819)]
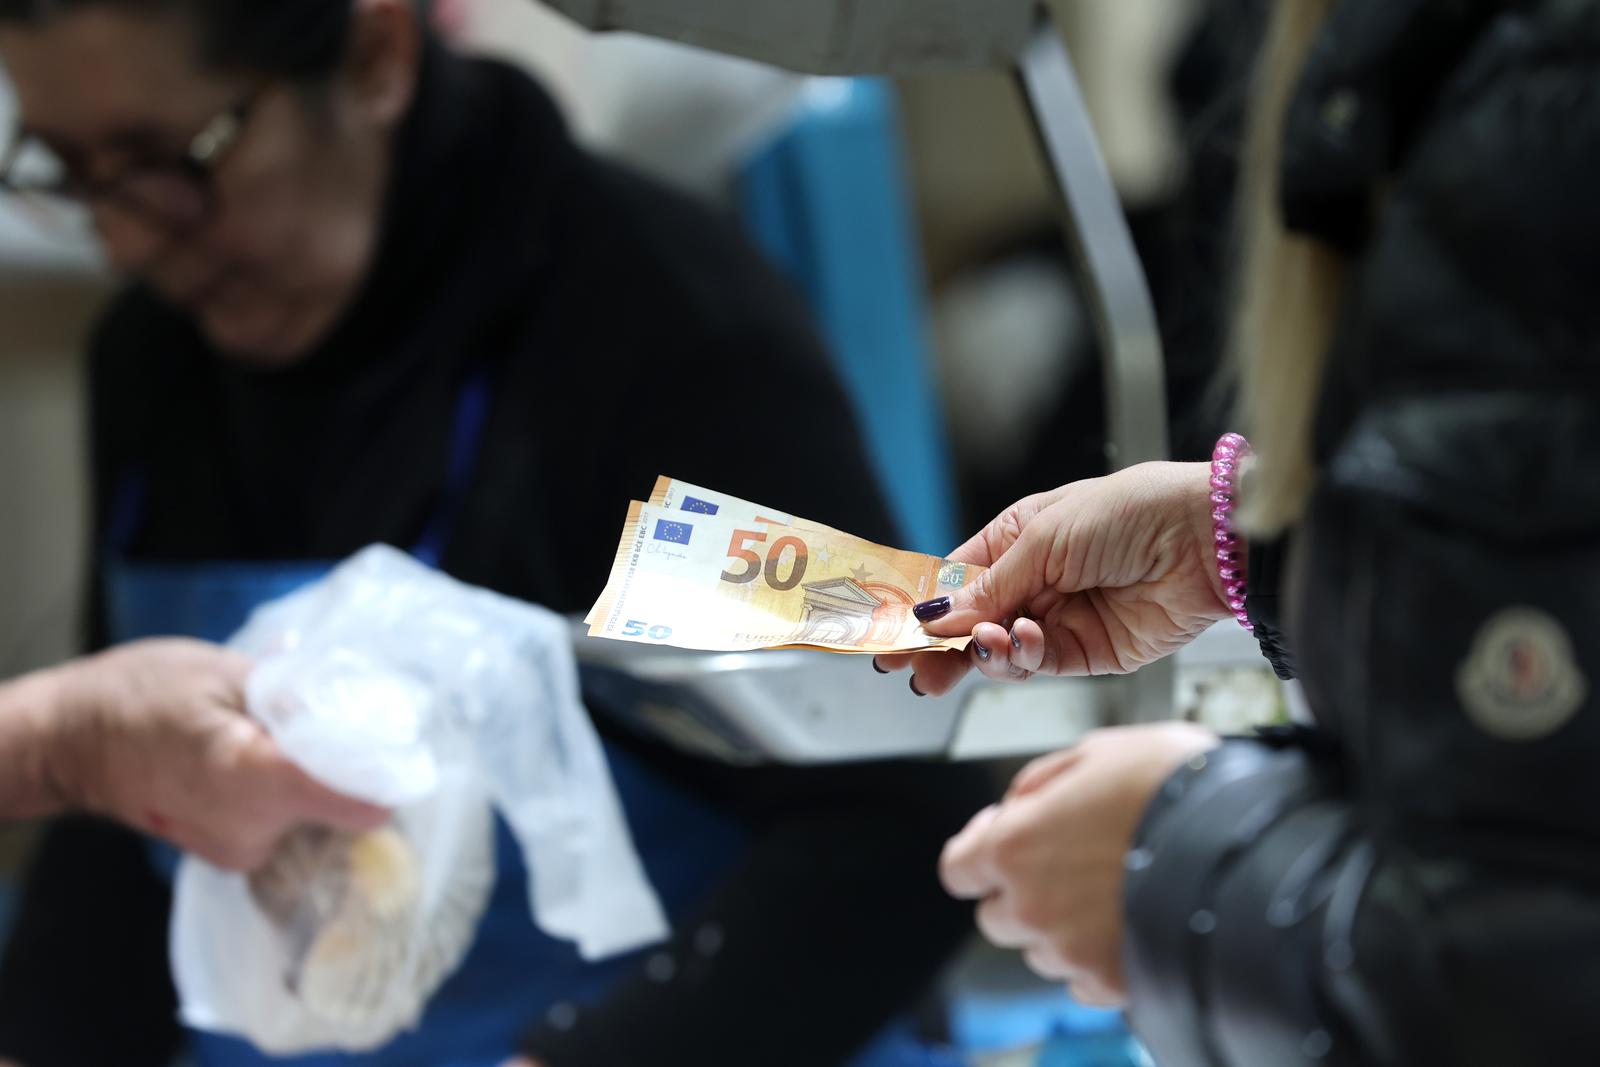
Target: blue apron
[(514, 976)]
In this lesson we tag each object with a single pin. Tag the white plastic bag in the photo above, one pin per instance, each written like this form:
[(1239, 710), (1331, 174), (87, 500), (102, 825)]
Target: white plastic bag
[(391, 682)]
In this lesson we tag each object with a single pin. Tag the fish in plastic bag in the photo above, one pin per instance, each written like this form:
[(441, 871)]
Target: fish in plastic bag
[(349, 908), (398, 685)]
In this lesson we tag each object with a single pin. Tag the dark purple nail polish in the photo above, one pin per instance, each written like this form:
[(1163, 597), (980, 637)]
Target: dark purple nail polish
[(929, 610), (914, 688), (1016, 642), (982, 650), (877, 668)]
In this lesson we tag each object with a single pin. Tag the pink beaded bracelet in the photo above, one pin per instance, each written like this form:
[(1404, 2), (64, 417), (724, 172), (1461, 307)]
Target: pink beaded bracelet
[(1232, 555)]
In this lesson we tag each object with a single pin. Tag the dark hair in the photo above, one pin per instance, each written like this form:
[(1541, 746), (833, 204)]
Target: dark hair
[(298, 40)]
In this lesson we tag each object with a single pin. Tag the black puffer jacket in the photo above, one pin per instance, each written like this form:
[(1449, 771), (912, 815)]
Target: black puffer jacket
[(1417, 880)]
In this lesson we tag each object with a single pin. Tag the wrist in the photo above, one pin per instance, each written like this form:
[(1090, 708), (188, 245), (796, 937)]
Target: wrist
[(75, 748), (35, 710), (1200, 508), (1198, 505)]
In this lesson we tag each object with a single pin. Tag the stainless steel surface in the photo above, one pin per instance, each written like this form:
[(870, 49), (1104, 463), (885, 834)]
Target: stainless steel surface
[(815, 707), (827, 36), (745, 707)]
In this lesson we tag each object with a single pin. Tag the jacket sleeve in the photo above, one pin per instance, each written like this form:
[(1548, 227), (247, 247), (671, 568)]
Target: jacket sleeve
[(1264, 600), (1423, 887), (1417, 882)]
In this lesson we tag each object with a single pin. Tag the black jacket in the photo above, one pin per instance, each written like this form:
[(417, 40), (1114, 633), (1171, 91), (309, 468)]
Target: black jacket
[(1417, 880), (627, 333)]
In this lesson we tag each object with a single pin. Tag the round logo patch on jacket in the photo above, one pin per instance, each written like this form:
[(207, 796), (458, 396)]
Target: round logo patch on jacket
[(1521, 681)]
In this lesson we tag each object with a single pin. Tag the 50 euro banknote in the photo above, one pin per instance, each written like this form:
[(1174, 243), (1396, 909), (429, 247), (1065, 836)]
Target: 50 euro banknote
[(703, 570)]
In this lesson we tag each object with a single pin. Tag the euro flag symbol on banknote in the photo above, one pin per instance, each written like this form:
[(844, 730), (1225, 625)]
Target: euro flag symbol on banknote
[(756, 577), (676, 532)]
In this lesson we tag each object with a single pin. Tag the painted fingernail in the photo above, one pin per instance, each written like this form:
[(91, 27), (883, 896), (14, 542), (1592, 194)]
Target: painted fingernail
[(1016, 642), (929, 610), (877, 668), (981, 649), (914, 688)]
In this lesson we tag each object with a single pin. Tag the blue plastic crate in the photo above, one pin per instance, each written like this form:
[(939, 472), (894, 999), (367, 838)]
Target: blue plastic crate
[(828, 199)]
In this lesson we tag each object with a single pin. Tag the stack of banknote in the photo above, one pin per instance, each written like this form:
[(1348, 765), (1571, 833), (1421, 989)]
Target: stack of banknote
[(701, 569)]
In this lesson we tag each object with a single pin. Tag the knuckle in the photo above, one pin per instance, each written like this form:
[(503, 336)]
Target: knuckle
[(231, 856), (1012, 848), (995, 923), (1038, 765), (984, 594), (1033, 911), (951, 864), (1072, 949), (1094, 739)]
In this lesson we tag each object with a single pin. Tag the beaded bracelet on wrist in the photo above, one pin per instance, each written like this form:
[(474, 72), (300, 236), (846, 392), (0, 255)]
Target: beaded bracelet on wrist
[(1232, 553)]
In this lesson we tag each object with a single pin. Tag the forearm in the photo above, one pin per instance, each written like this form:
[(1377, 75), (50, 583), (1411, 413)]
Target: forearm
[(1197, 832), (29, 784)]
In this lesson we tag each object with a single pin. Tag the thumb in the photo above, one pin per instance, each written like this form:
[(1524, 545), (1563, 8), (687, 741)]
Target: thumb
[(1043, 770), (321, 805), (303, 799), (997, 594)]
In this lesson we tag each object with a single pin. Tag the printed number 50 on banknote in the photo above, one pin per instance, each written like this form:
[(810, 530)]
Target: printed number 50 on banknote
[(713, 573)]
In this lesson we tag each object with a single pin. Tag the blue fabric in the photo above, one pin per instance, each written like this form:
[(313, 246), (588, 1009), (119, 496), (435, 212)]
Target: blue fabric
[(1072, 1034), (513, 973), (1113, 1048), (209, 601), (472, 412), (828, 201), (984, 1021)]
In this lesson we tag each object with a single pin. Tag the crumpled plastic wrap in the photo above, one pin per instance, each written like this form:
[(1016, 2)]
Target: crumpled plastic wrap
[(391, 682)]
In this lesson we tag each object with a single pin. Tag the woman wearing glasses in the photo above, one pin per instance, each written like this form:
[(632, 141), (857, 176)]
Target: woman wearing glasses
[(378, 295)]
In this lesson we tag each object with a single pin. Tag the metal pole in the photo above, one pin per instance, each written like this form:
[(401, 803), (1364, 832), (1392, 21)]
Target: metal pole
[(1119, 297), (1108, 265)]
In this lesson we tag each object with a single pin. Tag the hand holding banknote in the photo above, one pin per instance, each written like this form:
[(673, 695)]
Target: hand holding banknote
[(1097, 577), (700, 569)]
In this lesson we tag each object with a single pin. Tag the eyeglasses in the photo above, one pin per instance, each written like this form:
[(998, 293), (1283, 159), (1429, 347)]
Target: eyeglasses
[(178, 194)]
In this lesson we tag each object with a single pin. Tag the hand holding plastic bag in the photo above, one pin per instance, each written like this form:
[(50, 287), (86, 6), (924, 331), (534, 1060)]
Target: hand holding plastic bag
[(395, 684)]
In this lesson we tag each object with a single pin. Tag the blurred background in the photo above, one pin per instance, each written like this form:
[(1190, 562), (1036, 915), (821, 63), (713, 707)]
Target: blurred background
[(979, 294)]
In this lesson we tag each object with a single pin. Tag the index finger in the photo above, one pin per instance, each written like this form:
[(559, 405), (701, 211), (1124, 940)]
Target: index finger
[(1042, 770), (325, 807), (964, 865), (974, 550), (303, 799), (235, 667)]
